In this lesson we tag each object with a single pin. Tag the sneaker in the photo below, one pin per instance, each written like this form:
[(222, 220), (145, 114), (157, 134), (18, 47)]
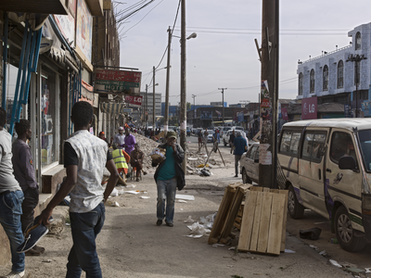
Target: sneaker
[(32, 237), (14, 274), (169, 224), (159, 222)]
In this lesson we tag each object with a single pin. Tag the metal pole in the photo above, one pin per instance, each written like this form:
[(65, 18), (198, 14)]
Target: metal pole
[(154, 100), (146, 112), (223, 105), (183, 82), (166, 119)]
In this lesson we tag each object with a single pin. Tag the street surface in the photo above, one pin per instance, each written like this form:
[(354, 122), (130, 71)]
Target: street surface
[(131, 245)]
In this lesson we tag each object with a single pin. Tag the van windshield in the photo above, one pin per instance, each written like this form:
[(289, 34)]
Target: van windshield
[(365, 142)]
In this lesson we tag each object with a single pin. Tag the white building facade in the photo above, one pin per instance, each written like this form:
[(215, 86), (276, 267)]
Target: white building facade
[(341, 76)]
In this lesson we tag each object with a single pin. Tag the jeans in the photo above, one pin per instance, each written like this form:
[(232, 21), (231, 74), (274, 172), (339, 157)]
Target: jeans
[(10, 219), (166, 190), (83, 255)]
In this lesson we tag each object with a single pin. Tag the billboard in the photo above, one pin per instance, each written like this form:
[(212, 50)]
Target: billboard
[(309, 108), (117, 81)]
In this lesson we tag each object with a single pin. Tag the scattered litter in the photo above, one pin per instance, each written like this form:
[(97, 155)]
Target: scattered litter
[(205, 172), (189, 220), (131, 186), (197, 230), (114, 193), (47, 261), (355, 270), (144, 197), (313, 247), (193, 158), (323, 253), (184, 197), (182, 201), (335, 263), (215, 245), (135, 192), (368, 270), (288, 251)]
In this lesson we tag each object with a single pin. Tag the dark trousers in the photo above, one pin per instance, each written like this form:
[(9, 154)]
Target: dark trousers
[(31, 199)]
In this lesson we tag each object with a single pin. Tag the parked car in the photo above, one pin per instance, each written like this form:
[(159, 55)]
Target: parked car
[(249, 167), (210, 136), (328, 168), (225, 137)]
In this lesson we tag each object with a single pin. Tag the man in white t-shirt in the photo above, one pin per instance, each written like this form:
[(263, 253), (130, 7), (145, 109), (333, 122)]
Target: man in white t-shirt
[(85, 156)]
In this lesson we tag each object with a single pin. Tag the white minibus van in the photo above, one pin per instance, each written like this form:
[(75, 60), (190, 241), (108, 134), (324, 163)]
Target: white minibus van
[(327, 164)]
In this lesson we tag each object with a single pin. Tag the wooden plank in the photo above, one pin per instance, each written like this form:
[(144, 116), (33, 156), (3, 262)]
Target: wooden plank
[(256, 223), (276, 224), (233, 211), (224, 206), (247, 221), (265, 222)]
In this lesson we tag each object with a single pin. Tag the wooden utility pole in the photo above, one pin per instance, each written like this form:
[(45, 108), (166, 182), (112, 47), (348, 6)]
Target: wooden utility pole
[(269, 93), (183, 82), (166, 115), (154, 100)]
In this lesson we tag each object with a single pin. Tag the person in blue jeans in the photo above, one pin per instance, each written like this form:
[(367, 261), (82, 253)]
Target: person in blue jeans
[(85, 156), (240, 144), (11, 198), (168, 176)]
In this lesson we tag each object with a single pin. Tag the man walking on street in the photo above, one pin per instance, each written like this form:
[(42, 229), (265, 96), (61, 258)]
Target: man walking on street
[(240, 145), (85, 156), (11, 198), (24, 173), (168, 176), (119, 138)]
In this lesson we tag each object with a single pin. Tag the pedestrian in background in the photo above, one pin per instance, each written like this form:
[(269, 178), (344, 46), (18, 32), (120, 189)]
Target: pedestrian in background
[(231, 139), (24, 173), (102, 135), (119, 138), (137, 156), (168, 176), (121, 160), (85, 156), (129, 141), (11, 198), (240, 145)]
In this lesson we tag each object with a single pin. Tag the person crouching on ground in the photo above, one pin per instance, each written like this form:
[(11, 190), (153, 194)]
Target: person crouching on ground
[(168, 176), (137, 156), (121, 160), (85, 156)]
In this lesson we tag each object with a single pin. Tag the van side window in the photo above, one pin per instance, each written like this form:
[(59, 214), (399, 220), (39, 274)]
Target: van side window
[(290, 142), (313, 146), (341, 145)]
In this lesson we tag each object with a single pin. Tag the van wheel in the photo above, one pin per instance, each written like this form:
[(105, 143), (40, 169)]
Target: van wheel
[(245, 177), (296, 210), (345, 233)]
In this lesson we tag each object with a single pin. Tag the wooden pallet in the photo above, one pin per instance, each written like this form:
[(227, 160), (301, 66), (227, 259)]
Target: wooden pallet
[(227, 212), (263, 226)]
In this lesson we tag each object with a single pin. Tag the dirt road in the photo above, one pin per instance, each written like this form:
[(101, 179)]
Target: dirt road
[(131, 245)]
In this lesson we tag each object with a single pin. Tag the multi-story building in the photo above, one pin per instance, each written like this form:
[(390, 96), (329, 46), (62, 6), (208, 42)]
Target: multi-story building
[(342, 76)]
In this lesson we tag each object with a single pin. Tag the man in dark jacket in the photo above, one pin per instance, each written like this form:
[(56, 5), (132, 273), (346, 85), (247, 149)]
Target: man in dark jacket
[(168, 176)]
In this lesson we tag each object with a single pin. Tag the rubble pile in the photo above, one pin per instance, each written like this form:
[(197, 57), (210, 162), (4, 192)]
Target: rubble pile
[(195, 160)]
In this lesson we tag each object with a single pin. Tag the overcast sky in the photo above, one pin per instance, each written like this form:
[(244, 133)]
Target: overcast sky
[(224, 53)]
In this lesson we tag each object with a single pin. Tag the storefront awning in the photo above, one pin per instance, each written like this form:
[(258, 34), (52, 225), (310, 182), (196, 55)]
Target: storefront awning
[(112, 108)]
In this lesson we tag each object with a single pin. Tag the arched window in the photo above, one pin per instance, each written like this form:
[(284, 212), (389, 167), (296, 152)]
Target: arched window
[(325, 78), (312, 81), (300, 84), (358, 40), (340, 74)]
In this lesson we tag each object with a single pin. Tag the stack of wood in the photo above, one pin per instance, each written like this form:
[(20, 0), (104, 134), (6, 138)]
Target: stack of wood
[(261, 219)]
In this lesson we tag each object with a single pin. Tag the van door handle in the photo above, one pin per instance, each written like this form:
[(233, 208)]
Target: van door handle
[(328, 170)]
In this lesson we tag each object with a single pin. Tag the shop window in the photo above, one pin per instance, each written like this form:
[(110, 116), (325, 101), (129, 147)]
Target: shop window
[(48, 115)]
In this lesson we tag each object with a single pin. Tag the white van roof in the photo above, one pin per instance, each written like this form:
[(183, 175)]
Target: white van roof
[(346, 123)]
